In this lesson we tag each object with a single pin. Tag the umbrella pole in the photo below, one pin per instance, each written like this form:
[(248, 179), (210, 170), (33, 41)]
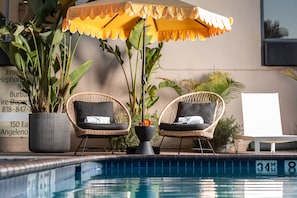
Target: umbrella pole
[(143, 69)]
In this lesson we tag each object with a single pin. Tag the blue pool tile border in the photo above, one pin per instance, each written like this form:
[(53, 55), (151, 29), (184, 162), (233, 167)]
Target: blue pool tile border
[(172, 164), (124, 166)]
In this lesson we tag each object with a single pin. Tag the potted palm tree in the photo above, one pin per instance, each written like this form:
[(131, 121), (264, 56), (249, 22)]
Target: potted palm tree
[(43, 58)]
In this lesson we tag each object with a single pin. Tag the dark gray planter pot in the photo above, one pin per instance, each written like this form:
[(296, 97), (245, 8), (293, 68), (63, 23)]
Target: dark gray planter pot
[(49, 132), (133, 149), (145, 134)]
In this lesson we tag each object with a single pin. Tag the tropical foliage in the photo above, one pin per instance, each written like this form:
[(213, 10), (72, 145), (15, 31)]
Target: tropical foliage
[(218, 82), (43, 60), (49, 14), (225, 132), (131, 73), (134, 49), (43, 56), (291, 73)]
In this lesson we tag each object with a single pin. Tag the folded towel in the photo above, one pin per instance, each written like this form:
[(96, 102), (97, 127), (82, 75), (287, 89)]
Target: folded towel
[(191, 120), (97, 120)]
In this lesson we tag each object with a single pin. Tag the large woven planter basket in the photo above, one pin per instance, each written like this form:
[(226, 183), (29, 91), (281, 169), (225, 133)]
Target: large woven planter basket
[(49, 132)]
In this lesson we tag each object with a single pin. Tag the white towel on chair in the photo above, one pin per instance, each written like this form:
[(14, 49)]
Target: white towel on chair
[(97, 119), (191, 120)]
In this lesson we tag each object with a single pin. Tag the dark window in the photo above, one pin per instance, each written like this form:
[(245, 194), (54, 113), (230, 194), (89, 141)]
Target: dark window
[(279, 32)]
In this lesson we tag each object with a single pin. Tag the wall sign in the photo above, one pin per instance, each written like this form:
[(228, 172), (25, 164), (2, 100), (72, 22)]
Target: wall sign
[(14, 114)]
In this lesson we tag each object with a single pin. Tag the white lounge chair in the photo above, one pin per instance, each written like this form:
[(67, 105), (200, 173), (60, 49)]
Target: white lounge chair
[(262, 120)]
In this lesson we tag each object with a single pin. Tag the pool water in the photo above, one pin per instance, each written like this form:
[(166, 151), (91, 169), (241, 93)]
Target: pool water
[(161, 176), (150, 187)]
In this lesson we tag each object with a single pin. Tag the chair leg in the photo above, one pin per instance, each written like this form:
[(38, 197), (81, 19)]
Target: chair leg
[(85, 144), (77, 148), (200, 145), (210, 146), (180, 143), (161, 142)]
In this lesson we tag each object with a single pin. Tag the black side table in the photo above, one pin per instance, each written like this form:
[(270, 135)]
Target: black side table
[(145, 134)]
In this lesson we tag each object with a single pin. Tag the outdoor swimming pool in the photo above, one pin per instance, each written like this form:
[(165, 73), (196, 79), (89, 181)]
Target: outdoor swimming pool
[(162, 176)]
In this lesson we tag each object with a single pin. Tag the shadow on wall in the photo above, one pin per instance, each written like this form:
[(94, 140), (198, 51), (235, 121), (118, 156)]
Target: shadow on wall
[(104, 64), (4, 60)]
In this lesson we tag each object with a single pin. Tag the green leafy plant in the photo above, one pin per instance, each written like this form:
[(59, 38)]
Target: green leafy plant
[(290, 73), (218, 82), (224, 134), (49, 14), (225, 131), (131, 73), (43, 59), (43, 56)]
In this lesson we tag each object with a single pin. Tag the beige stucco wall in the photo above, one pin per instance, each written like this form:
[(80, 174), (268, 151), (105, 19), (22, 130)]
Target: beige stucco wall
[(13, 9), (237, 52)]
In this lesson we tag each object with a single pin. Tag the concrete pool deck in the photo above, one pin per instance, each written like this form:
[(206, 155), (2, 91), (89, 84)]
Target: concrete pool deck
[(14, 164)]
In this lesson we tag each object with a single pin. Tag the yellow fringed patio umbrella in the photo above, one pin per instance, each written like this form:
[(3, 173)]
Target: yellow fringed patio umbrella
[(166, 20)]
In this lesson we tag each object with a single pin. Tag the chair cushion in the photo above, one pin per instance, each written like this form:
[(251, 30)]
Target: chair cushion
[(113, 126), (182, 127), (84, 109), (205, 110)]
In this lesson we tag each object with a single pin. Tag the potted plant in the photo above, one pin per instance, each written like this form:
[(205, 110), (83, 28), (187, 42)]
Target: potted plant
[(43, 58), (224, 134), (145, 132), (132, 80)]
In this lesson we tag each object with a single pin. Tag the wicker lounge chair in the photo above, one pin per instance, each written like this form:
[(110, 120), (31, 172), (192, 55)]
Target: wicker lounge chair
[(97, 105), (209, 105)]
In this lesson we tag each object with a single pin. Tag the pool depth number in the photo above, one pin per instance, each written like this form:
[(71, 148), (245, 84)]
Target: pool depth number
[(270, 167)]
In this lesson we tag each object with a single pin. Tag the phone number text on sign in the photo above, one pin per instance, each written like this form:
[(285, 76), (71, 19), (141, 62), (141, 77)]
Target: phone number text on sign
[(266, 167)]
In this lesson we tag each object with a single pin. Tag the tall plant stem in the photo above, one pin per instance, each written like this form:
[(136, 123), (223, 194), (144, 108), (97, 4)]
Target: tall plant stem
[(143, 75)]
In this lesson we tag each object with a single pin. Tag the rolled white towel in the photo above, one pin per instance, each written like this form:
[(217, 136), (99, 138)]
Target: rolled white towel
[(191, 120), (97, 119)]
